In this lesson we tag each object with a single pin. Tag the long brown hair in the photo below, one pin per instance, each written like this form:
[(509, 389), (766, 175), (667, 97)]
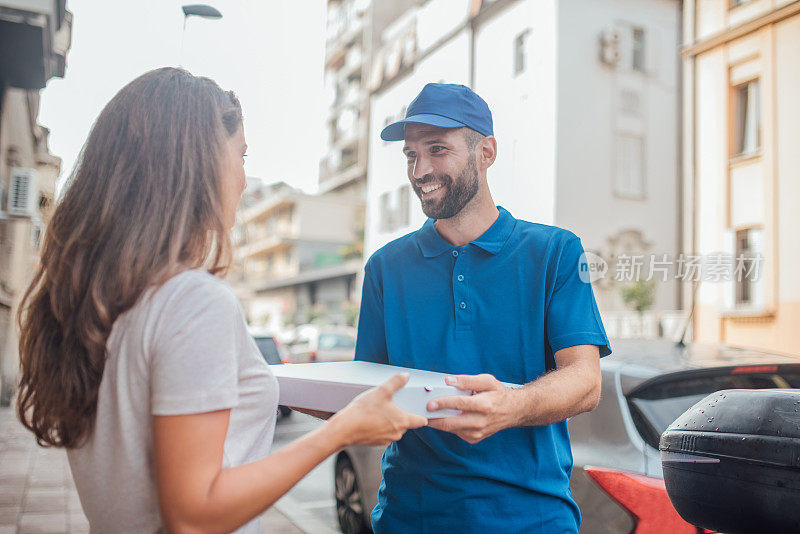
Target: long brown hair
[(142, 203)]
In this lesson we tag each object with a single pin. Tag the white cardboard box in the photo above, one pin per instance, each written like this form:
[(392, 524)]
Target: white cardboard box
[(330, 386)]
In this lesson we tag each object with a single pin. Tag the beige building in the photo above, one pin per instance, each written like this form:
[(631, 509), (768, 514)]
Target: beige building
[(742, 168), (297, 256), (34, 40)]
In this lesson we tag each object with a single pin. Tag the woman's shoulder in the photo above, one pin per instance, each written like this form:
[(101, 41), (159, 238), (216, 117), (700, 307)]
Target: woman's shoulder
[(192, 288), (192, 280)]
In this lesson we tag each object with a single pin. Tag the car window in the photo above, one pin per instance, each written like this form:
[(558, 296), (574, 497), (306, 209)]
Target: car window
[(268, 349), (654, 408), (336, 341)]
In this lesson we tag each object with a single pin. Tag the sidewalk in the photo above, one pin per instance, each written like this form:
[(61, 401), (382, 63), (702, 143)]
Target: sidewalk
[(37, 494)]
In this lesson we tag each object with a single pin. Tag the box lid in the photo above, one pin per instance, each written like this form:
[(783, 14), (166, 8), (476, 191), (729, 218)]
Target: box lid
[(761, 426)]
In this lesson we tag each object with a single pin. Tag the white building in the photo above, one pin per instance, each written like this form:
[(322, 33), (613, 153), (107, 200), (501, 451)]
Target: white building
[(585, 100)]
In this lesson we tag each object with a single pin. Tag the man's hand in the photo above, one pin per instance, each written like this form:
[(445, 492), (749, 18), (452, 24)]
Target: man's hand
[(490, 409)]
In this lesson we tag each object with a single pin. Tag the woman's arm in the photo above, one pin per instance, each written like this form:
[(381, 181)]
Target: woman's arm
[(197, 495)]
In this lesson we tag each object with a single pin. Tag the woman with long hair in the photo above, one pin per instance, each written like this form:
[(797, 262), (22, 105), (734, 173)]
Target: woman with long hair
[(135, 356)]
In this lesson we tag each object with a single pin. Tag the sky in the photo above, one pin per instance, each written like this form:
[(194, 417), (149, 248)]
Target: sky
[(269, 52)]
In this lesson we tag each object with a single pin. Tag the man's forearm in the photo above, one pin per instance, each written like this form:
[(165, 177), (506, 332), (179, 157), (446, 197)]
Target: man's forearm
[(572, 389), (557, 395)]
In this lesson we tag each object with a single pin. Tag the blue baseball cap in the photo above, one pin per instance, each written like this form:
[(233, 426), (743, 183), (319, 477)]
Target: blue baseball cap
[(445, 105)]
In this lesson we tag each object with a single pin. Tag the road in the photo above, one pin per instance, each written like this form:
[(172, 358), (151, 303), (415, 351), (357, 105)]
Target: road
[(310, 504)]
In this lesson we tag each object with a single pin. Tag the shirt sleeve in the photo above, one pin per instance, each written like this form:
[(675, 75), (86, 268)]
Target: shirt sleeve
[(371, 338), (572, 316), (193, 368)]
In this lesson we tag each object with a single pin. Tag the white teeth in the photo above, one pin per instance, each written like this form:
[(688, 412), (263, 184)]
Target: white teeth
[(428, 188)]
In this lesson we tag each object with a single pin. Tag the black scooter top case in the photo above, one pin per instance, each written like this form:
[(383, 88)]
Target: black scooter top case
[(732, 461)]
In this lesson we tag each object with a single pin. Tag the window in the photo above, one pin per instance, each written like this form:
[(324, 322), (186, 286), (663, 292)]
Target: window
[(348, 158), (394, 211), (36, 236), (746, 267), (747, 102), (403, 201), (629, 172), (520, 56), (269, 349), (638, 50), (336, 341), (653, 408), (743, 247), (385, 212)]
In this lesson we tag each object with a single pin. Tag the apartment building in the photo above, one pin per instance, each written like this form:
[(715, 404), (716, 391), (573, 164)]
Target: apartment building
[(352, 27), (35, 36), (742, 167), (297, 256)]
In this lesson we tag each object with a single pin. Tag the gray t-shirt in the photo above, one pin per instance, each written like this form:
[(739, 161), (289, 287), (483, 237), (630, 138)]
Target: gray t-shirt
[(182, 349)]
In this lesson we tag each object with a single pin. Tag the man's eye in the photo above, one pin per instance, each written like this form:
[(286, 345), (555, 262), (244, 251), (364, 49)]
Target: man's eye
[(436, 148), (410, 156)]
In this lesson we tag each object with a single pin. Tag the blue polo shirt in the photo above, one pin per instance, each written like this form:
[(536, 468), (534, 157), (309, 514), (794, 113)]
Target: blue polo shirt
[(502, 304)]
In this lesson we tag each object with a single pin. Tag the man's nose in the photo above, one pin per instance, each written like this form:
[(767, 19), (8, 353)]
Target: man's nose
[(422, 167)]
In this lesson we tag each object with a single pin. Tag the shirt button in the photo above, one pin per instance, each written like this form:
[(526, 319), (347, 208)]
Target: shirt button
[(460, 277), (463, 305), (455, 253)]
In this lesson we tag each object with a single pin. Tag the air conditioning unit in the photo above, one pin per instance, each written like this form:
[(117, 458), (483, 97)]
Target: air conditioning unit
[(23, 193), (609, 46)]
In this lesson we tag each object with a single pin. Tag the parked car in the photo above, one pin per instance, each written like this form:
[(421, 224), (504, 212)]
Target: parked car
[(616, 479), (323, 344), (274, 353)]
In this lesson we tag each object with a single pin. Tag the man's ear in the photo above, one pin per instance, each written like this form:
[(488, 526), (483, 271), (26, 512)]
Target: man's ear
[(486, 152)]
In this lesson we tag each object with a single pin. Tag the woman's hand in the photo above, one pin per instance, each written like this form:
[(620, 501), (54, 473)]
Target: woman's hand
[(373, 419), (196, 494)]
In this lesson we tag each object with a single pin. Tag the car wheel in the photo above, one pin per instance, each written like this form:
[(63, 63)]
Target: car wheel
[(353, 519), (285, 411)]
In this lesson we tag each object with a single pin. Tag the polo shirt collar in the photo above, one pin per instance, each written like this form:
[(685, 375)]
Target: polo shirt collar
[(493, 239), (431, 244)]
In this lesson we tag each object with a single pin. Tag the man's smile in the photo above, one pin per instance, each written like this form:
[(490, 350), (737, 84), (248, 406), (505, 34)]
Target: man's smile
[(428, 189)]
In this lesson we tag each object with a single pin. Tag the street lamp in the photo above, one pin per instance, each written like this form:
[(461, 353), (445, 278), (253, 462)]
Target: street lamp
[(197, 10), (200, 10)]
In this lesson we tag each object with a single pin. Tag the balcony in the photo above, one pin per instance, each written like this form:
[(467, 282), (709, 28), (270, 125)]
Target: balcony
[(35, 36), (268, 243), (328, 272), (252, 278), (268, 206)]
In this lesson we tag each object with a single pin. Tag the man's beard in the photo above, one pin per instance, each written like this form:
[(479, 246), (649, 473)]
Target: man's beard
[(457, 194)]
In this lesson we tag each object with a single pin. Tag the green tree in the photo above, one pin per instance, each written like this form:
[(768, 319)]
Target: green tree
[(350, 312), (639, 295)]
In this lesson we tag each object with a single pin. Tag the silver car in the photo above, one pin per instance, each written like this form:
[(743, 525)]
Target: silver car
[(616, 479), (324, 344)]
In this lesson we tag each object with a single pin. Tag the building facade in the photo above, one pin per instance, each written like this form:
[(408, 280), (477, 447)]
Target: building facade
[(352, 30), (35, 36), (297, 256), (742, 167), (585, 100)]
